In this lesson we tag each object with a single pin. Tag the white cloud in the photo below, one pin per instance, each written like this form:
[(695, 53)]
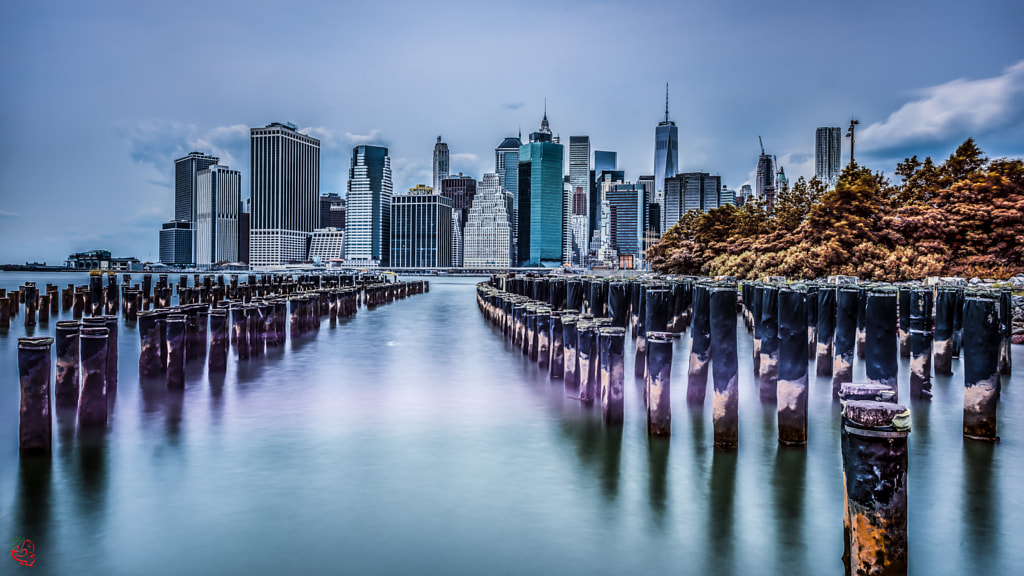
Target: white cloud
[(9, 214), (951, 111)]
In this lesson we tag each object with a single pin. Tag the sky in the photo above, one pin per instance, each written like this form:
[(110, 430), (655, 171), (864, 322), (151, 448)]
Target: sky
[(99, 98)]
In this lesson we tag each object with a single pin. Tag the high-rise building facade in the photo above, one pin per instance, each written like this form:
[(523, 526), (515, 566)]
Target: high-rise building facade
[(579, 186), (764, 185), (666, 151), (625, 222), (421, 228), (218, 199), (541, 200), (176, 243), (328, 202), (828, 142), (605, 160), (368, 214), (327, 245), (186, 170), (442, 163), (460, 190), (285, 191), (689, 191), (506, 165), (487, 239)]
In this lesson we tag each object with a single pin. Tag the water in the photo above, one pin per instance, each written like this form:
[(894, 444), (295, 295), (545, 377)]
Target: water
[(413, 439)]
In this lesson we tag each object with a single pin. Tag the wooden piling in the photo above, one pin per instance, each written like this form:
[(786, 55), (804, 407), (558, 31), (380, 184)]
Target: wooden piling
[(35, 428), (724, 368), (981, 366), (659, 383), (611, 342), (92, 404)]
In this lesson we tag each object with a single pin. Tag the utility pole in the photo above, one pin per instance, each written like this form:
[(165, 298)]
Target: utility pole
[(850, 135)]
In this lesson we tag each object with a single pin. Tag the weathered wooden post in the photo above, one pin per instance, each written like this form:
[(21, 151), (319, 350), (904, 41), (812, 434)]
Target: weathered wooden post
[(640, 335), (981, 366), (31, 296), (611, 342), (812, 321), (635, 293), (875, 460), (881, 344), (544, 337), (240, 327), (862, 303), (792, 383), (150, 332), (218, 360), (67, 300), (66, 387), (176, 329), (958, 321), (586, 353), (110, 297), (36, 425), (756, 303), (657, 304), (769, 344), (725, 367), (921, 343), (700, 346), (110, 323), (945, 304), (904, 327), (1005, 330), (569, 342), (92, 405), (96, 293), (556, 369), (54, 295), (78, 310), (5, 313), (845, 341), (44, 309), (618, 304), (659, 382), (826, 329), (530, 348)]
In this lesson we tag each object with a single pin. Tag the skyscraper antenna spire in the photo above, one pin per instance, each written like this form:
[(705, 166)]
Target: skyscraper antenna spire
[(666, 101)]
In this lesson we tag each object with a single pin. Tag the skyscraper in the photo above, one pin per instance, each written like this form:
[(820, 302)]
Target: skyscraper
[(506, 165), (488, 233), (421, 227), (579, 184), (666, 151), (327, 204), (185, 172), (764, 186), (541, 200), (625, 222), (689, 191), (218, 198), (368, 215), (605, 160), (441, 163), (285, 190), (828, 142), (176, 243)]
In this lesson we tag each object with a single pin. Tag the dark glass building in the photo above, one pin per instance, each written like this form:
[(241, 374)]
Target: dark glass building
[(421, 231), (176, 243), (540, 200)]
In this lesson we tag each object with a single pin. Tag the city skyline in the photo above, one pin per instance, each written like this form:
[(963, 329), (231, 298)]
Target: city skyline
[(86, 105)]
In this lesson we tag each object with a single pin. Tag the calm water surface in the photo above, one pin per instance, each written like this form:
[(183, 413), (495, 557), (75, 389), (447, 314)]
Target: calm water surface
[(413, 439)]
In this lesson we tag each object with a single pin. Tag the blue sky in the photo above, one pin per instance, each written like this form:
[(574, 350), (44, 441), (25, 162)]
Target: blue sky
[(100, 97)]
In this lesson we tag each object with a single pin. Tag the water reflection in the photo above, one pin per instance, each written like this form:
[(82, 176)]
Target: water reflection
[(788, 478), (599, 450), (657, 461), (721, 517), (34, 501), (175, 403), (980, 516), (216, 397)]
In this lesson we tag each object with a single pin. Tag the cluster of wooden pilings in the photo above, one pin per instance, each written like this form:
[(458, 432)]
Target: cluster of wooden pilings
[(575, 328), (210, 318)]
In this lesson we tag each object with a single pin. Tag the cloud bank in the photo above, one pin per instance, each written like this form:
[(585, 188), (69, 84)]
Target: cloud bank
[(951, 111)]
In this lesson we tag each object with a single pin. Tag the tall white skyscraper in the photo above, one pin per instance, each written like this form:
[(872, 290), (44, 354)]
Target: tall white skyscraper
[(506, 165), (368, 215), (218, 195), (441, 164), (285, 191), (666, 151), (488, 235), (828, 143)]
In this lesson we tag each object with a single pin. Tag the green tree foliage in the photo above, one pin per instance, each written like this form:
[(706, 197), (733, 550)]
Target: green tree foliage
[(962, 217)]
